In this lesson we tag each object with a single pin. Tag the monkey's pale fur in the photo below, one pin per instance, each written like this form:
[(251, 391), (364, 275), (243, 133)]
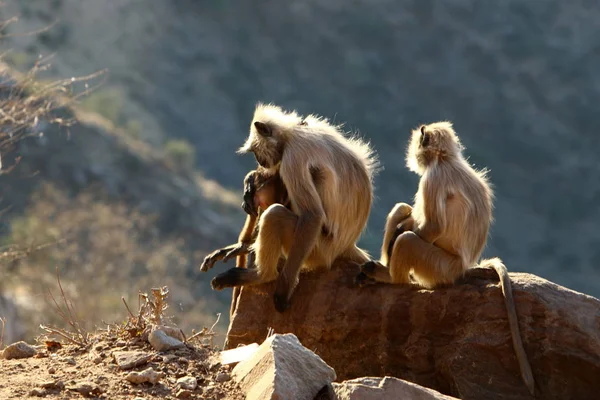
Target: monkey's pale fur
[(341, 200), (329, 180), (446, 230), (453, 205)]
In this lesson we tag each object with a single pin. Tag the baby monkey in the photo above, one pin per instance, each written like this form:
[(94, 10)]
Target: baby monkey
[(262, 188), (444, 233)]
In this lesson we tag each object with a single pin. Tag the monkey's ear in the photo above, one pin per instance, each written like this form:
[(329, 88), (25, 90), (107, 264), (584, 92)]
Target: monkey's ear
[(425, 136), (263, 129)]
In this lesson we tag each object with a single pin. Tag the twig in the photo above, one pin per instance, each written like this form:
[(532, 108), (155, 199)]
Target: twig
[(72, 321), (206, 332), (3, 321), (203, 332), (61, 333), (15, 19), (69, 319), (127, 307), (216, 322)]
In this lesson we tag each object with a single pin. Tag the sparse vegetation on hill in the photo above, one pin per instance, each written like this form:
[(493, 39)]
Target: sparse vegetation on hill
[(103, 249), (67, 205)]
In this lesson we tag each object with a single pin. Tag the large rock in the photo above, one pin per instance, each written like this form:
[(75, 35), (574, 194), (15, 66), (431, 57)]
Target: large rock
[(282, 368), (455, 340), (386, 388)]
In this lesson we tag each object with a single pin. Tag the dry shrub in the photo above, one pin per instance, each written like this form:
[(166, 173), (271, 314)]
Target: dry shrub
[(26, 101)]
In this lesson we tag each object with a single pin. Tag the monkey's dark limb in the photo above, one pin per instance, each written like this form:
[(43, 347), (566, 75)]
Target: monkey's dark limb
[(377, 271), (363, 280), (235, 277), (212, 258), (239, 249), (307, 230)]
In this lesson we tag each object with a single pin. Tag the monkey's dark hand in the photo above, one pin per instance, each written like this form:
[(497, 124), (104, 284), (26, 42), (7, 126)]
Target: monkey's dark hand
[(249, 192), (281, 302), (240, 248), (362, 279), (212, 258), (365, 277), (281, 298)]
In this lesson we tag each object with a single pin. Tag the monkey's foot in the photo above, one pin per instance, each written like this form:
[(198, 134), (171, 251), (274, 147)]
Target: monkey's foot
[(376, 271), (363, 280), (234, 277), (369, 268), (281, 302)]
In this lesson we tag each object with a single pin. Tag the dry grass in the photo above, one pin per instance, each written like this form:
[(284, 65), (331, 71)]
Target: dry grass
[(103, 249), (76, 335), (150, 311)]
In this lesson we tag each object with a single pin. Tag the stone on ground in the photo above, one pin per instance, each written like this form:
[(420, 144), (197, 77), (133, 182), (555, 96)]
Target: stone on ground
[(131, 359), (187, 382), (282, 368), (18, 350), (148, 375), (164, 338), (387, 388)]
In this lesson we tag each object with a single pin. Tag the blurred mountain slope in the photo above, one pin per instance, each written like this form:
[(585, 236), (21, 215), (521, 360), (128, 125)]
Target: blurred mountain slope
[(518, 79)]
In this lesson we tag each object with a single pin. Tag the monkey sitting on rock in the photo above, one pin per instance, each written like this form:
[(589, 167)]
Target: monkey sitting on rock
[(444, 233), (328, 177)]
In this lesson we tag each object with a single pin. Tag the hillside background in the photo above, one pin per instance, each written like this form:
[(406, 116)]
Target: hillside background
[(519, 80)]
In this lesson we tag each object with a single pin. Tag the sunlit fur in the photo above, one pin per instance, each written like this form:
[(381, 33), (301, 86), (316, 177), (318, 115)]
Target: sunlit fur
[(453, 193), (445, 232), (340, 195)]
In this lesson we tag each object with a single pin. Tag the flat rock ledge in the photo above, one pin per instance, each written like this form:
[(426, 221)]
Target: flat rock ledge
[(455, 340)]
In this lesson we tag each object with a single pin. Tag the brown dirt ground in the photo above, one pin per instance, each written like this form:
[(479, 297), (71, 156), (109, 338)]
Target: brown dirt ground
[(62, 369)]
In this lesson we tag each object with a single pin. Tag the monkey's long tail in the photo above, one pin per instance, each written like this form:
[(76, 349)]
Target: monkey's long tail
[(506, 286)]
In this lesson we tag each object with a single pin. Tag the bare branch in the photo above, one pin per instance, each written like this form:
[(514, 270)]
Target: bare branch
[(62, 333), (127, 307), (3, 322)]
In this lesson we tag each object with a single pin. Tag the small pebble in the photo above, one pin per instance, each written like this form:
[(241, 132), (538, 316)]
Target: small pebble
[(18, 350), (187, 382), (37, 393), (222, 377), (183, 394)]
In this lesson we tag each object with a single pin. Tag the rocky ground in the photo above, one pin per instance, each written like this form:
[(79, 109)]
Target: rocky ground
[(111, 367)]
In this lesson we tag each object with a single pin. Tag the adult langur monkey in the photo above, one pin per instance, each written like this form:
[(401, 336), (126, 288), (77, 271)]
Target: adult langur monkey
[(329, 180), (444, 233)]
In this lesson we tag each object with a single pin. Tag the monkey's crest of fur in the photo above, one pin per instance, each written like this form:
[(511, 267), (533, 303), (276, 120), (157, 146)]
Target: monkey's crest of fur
[(286, 126), (430, 144)]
